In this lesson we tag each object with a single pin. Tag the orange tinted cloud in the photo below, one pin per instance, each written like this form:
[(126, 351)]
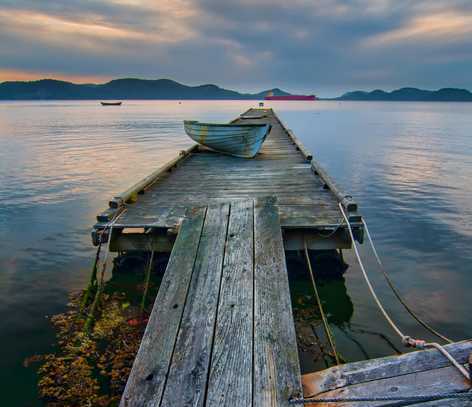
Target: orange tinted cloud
[(19, 75), (442, 26), (94, 31)]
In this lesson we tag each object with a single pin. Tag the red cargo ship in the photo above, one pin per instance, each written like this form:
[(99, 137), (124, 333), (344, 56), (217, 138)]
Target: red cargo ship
[(270, 96)]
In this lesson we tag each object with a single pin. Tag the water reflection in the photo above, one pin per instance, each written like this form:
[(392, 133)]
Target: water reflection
[(407, 164), (314, 350), (59, 164)]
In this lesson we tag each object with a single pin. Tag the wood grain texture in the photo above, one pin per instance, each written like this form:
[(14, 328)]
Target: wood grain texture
[(188, 373), (230, 341), (306, 153), (443, 380), (150, 368), (383, 368), (141, 185), (276, 364), (206, 177), (230, 382)]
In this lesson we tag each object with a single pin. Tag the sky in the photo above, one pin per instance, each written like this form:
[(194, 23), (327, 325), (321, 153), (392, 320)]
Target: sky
[(314, 46)]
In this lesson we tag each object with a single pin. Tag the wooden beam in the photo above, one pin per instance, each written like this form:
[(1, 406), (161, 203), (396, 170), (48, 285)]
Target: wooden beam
[(306, 153), (131, 193), (230, 382), (158, 242), (346, 200), (150, 368), (276, 364), (382, 368), (443, 380), (188, 374)]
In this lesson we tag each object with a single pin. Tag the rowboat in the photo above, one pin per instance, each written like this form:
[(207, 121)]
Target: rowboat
[(239, 140), (111, 103)]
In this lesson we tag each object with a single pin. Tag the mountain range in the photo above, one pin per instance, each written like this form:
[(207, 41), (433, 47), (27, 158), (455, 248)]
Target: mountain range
[(131, 88), (411, 94), (127, 88)]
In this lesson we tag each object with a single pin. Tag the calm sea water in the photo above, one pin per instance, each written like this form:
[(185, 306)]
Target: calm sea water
[(409, 166)]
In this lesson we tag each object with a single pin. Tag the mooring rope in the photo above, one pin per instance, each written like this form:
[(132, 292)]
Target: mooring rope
[(91, 313), (397, 294), (320, 306), (338, 226), (109, 226), (406, 340), (417, 398)]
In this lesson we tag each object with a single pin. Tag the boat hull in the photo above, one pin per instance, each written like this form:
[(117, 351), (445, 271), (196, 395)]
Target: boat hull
[(111, 103), (239, 140)]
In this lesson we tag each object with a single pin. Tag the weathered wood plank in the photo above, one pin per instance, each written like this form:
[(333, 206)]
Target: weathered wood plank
[(281, 169), (445, 402), (164, 216), (230, 382), (444, 380), (382, 368), (307, 154), (142, 242), (346, 200), (120, 199), (188, 373), (276, 364), (150, 368)]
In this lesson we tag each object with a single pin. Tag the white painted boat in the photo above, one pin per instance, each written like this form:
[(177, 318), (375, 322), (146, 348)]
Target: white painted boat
[(240, 140)]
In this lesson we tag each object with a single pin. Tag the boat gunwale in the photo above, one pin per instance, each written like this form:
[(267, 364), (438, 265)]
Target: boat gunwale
[(225, 124)]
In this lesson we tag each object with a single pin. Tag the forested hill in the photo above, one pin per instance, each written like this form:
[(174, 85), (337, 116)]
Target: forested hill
[(129, 88), (412, 94)]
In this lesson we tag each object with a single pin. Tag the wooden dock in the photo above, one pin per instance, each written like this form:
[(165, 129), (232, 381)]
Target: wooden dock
[(307, 198), (221, 332)]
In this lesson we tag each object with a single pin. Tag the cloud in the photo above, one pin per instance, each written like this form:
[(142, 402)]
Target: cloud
[(304, 45), (7, 74), (448, 26), (97, 31)]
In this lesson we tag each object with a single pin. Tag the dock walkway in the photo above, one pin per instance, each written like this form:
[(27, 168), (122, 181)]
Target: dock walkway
[(307, 198), (221, 332)]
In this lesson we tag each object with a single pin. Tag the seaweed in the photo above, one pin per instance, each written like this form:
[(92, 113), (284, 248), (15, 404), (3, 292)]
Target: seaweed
[(90, 368)]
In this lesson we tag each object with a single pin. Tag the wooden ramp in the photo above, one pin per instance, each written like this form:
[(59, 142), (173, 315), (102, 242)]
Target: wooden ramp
[(221, 332)]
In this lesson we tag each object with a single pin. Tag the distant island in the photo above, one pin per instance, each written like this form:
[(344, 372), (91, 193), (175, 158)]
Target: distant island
[(411, 95), (121, 89), (132, 88)]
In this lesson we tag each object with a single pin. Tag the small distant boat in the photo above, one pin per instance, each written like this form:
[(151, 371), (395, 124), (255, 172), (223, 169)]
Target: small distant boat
[(239, 140), (111, 103)]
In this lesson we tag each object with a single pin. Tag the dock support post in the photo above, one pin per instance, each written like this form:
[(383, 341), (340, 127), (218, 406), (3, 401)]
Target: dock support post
[(93, 279), (146, 281)]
